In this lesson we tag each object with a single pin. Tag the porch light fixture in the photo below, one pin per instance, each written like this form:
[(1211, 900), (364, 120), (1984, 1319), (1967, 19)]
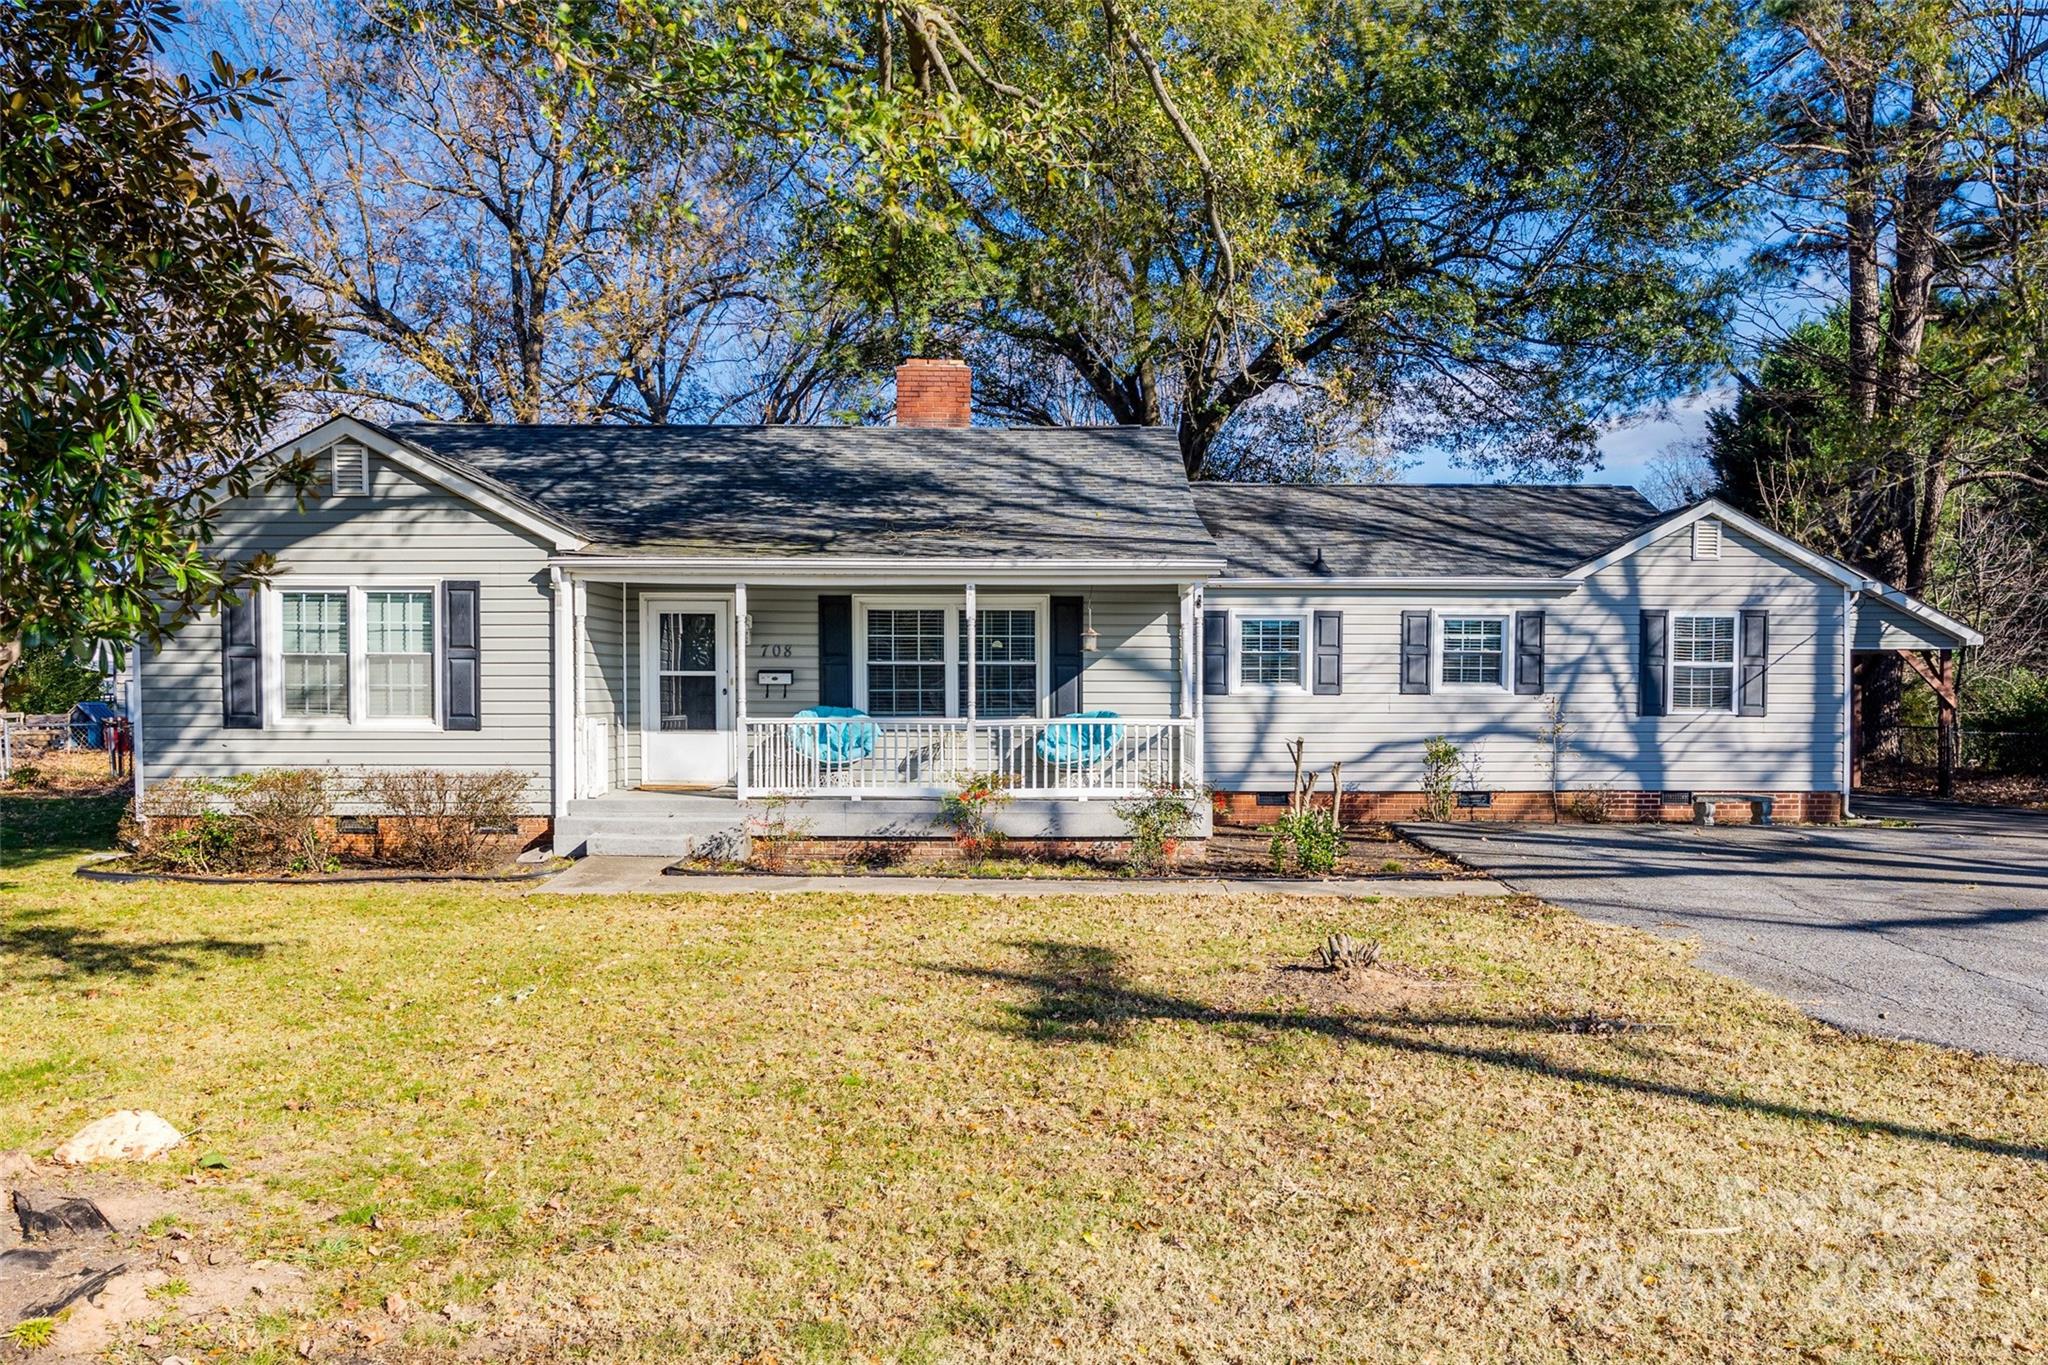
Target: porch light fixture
[(1090, 641)]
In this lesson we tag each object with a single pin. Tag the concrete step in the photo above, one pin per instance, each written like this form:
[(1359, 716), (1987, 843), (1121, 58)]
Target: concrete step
[(652, 834), (605, 842), (657, 805)]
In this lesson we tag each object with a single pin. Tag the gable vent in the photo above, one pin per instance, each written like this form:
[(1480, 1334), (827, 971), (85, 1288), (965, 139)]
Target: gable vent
[(1706, 538), (351, 466)]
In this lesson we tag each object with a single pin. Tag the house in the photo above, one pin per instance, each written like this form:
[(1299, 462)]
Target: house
[(662, 627)]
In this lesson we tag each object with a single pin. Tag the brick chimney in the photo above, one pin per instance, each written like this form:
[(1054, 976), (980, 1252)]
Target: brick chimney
[(934, 393)]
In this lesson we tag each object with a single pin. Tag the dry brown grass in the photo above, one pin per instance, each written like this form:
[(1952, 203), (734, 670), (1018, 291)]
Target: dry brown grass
[(960, 1128)]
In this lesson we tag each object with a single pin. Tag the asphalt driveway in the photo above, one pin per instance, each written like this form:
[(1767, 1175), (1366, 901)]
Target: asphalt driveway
[(1937, 932)]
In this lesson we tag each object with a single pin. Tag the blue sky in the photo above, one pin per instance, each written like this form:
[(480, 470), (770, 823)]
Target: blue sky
[(1626, 450)]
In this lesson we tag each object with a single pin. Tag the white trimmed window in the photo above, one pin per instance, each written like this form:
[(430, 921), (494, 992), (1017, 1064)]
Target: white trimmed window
[(346, 654), (1703, 663), (314, 654), (1271, 653), (1005, 662), (398, 655), (1473, 651), (906, 661), (910, 657)]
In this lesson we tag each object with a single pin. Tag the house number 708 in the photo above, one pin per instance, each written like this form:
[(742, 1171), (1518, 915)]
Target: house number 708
[(777, 651)]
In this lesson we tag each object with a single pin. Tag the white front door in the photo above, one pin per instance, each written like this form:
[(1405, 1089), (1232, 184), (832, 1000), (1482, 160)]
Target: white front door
[(686, 707)]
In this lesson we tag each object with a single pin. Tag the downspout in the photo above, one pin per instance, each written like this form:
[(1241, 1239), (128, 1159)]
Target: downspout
[(135, 727), (1848, 692)]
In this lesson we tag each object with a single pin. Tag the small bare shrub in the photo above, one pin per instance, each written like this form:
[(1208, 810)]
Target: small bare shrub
[(283, 815), (442, 821), (1344, 954)]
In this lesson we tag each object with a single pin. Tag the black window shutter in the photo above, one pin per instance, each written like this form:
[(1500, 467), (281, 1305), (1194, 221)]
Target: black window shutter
[(1651, 686), (241, 663), (462, 681), (1215, 653), (1329, 654), (1415, 651), (1756, 653), (1067, 663), (1529, 653), (835, 651)]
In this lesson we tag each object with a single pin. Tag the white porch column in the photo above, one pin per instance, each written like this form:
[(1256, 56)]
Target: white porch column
[(561, 674), (742, 628), (1187, 686), (579, 673), (1197, 646), (973, 626)]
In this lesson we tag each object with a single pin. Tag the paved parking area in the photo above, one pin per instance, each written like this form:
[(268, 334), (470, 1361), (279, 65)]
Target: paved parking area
[(1937, 932)]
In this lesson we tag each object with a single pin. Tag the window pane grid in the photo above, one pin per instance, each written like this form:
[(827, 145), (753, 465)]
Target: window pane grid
[(1005, 663), (315, 640), (906, 661), (398, 662), (1269, 651), (1473, 649), (1702, 663)]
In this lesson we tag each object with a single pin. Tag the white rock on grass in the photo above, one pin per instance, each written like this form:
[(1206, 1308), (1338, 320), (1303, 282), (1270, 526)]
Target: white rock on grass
[(129, 1135)]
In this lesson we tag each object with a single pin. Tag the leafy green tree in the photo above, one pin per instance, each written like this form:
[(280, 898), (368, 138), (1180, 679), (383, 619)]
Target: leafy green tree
[(49, 680), (1478, 222), (145, 324)]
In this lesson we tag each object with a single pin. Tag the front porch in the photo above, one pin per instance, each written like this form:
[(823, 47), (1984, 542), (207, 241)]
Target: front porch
[(870, 692)]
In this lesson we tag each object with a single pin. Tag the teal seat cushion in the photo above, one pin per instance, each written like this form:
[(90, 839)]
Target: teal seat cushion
[(849, 739), (1084, 738)]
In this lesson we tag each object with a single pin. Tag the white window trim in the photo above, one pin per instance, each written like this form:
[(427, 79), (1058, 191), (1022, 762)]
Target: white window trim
[(1040, 607), (1672, 663), (358, 721), (1238, 686), (1437, 617)]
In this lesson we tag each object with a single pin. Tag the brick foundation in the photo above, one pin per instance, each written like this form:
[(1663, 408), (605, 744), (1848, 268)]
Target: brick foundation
[(1190, 851), (529, 831), (1245, 808)]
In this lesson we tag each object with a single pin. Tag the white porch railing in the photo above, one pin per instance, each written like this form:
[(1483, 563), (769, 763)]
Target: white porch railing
[(1089, 757)]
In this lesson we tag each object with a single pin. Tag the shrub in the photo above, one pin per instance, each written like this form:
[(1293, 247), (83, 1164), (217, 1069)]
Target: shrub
[(25, 775), (971, 813), (284, 815), (775, 833), (1307, 840), (443, 821), (1439, 777), (1157, 822)]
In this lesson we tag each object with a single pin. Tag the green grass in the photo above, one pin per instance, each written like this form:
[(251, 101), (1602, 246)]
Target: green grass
[(845, 1127)]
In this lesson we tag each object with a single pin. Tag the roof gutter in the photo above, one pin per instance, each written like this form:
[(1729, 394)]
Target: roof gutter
[(813, 568), (1447, 583)]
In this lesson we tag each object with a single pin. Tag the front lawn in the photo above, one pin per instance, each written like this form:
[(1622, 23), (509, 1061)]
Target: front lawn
[(846, 1127)]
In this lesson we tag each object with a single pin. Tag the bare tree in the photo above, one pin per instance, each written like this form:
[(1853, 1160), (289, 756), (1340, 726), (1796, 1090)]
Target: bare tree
[(486, 244)]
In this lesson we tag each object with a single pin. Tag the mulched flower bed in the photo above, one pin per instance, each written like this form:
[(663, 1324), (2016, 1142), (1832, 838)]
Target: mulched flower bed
[(124, 869), (1235, 853)]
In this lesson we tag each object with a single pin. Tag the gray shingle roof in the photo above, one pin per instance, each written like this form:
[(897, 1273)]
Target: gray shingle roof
[(981, 492), (1416, 530)]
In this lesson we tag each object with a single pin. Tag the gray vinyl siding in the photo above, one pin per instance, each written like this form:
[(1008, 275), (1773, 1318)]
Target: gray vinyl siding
[(404, 530), (1881, 626), (1377, 733), (1135, 672)]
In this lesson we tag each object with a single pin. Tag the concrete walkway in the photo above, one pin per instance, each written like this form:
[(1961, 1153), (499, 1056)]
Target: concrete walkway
[(619, 875)]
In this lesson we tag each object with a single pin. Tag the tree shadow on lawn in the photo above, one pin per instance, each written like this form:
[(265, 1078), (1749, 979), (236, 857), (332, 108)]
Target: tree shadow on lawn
[(91, 952), (1081, 995)]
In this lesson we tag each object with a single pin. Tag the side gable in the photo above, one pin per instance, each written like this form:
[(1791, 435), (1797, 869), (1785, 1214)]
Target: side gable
[(1940, 624), (342, 434)]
